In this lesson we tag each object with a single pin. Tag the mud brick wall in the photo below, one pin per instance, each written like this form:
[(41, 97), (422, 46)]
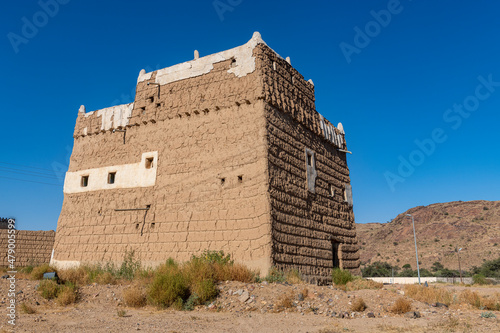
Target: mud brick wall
[(210, 191), (304, 224), (231, 174), (32, 247)]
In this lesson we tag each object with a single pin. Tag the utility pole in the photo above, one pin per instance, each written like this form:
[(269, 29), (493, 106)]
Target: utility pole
[(416, 251), (459, 268)]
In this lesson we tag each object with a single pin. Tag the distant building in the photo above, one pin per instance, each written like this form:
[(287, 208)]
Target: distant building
[(223, 152)]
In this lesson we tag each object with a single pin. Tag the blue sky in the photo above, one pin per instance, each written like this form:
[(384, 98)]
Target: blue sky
[(390, 71)]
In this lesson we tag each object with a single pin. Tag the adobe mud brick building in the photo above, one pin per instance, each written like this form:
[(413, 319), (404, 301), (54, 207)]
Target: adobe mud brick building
[(224, 152)]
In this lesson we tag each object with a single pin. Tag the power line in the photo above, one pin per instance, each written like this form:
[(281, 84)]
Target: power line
[(30, 167), (29, 181), (29, 173)]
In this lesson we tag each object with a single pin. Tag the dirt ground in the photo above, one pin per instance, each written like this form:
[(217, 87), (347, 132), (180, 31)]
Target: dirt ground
[(240, 307)]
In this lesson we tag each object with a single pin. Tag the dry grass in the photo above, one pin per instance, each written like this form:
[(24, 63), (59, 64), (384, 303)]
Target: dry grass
[(134, 296), (293, 277), (28, 309), (401, 306), (48, 289), (358, 305), (428, 294), (77, 276), (471, 298), (106, 278), (68, 294), (285, 301), (121, 313), (359, 284), (37, 273), (492, 302)]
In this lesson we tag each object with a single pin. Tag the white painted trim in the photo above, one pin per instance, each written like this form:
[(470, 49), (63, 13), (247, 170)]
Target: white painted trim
[(245, 64), (127, 176)]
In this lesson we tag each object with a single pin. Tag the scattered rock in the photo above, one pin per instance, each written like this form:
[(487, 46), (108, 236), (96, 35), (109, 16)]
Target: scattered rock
[(412, 314), (5, 276), (370, 315), (300, 297), (244, 297), (439, 305)]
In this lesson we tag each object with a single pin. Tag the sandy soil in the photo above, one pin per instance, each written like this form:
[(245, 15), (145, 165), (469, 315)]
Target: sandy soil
[(313, 309)]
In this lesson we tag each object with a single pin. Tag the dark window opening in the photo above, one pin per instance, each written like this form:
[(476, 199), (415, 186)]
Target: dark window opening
[(309, 159), (240, 179), (137, 226), (85, 181), (158, 105), (335, 254), (149, 162), (152, 225), (222, 181), (111, 177), (151, 99)]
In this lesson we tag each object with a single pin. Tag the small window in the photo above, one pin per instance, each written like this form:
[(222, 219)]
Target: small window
[(111, 177), (85, 181), (149, 162), (158, 105), (151, 99), (332, 191), (222, 181), (152, 225), (309, 159), (240, 179)]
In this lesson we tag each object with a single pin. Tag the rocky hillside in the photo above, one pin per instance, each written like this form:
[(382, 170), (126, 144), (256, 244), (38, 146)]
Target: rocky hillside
[(473, 226)]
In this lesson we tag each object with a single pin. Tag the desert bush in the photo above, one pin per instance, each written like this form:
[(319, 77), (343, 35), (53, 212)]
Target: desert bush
[(48, 289), (275, 275), (134, 296), (169, 287), (401, 306), (37, 272), (205, 290), (479, 279), (67, 294), (358, 305), (28, 309), (121, 313), (285, 301), (341, 277), (358, 284), (471, 298), (213, 257), (74, 275), (106, 278), (492, 302), (129, 266), (239, 272), (428, 294), (293, 276)]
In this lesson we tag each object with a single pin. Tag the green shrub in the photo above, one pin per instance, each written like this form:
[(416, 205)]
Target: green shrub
[(169, 286), (48, 289), (67, 294), (37, 272), (206, 290), (215, 257), (129, 266), (479, 279), (275, 275), (341, 277)]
